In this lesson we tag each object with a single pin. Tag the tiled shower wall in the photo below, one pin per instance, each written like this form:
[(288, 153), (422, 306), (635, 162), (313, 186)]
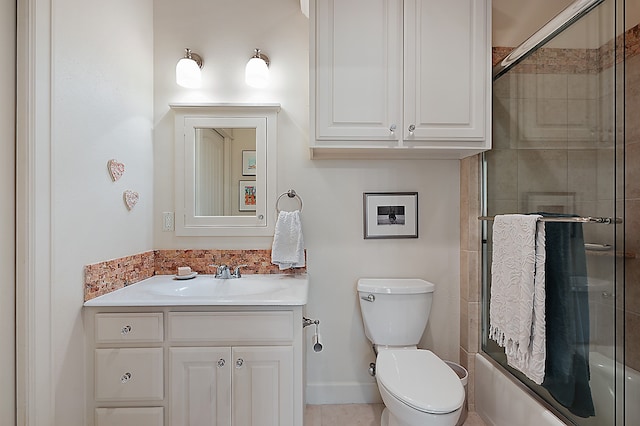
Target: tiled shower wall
[(470, 258)]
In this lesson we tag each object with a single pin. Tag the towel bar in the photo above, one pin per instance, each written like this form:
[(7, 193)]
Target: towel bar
[(587, 219), (291, 194)]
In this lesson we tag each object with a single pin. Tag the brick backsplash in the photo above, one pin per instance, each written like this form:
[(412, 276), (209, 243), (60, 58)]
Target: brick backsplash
[(104, 277)]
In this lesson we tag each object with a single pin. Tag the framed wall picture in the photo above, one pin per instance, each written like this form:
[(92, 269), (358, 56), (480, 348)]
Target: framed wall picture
[(248, 189), (248, 163), (390, 215)]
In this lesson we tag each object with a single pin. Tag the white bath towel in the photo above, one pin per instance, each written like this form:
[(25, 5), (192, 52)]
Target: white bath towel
[(288, 245), (517, 305)]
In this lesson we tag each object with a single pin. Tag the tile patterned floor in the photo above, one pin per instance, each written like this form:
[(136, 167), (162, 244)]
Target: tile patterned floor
[(357, 415)]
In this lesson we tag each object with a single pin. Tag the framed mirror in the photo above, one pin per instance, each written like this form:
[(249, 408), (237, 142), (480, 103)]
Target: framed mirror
[(225, 169)]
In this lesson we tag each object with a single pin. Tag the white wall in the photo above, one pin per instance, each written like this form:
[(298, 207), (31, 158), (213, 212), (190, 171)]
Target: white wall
[(225, 34), (7, 209), (101, 109)]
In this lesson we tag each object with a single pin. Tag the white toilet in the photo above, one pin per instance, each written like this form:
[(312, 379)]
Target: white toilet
[(417, 387)]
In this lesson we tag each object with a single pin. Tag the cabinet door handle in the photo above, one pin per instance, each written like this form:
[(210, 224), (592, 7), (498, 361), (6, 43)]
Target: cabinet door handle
[(125, 377), (239, 362), (392, 129), (412, 127), (221, 363), (125, 330)]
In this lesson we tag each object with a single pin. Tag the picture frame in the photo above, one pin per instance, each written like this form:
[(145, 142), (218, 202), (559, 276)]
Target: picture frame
[(390, 215), (248, 163), (247, 195)]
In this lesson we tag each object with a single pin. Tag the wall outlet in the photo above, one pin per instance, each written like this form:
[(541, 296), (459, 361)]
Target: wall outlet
[(168, 221)]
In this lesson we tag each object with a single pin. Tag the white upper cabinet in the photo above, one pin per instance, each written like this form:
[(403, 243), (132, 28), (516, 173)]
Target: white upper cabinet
[(400, 79)]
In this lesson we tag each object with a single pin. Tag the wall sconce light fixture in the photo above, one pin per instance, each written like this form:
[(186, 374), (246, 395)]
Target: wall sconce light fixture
[(256, 73), (188, 70)]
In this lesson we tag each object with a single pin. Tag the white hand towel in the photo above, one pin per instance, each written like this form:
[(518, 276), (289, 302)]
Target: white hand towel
[(517, 305), (288, 245)]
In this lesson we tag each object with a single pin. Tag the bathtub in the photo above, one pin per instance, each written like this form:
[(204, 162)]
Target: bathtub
[(603, 388), (500, 402)]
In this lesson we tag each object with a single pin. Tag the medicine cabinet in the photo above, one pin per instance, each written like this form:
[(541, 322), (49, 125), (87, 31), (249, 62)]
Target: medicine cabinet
[(225, 169)]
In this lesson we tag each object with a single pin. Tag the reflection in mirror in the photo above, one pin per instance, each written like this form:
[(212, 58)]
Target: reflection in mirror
[(224, 157), (225, 169)]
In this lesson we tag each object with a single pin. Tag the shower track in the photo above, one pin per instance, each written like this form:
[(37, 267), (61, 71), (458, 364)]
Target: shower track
[(564, 19)]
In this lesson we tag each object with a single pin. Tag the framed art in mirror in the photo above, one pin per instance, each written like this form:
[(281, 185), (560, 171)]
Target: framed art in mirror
[(248, 163), (247, 195)]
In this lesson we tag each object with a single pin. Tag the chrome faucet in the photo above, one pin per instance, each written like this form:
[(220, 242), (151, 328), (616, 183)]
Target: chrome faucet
[(223, 272)]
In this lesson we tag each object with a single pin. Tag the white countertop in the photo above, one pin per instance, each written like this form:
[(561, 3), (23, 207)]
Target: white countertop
[(205, 290)]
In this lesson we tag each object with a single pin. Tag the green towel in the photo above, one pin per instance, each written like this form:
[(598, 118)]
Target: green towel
[(567, 318)]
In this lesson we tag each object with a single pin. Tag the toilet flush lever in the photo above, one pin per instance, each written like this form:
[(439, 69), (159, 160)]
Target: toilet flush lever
[(369, 298)]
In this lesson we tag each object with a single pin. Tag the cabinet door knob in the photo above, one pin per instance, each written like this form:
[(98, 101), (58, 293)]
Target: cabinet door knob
[(412, 127), (125, 377), (392, 128), (125, 330), (221, 363), (239, 362)]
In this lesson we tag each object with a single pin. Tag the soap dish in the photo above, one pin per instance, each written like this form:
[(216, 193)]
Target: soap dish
[(185, 277)]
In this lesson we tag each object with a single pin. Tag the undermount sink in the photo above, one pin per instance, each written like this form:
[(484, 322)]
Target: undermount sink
[(206, 290), (208, 286)]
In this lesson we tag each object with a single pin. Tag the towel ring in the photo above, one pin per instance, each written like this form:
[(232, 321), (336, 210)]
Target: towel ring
[(291, 194)]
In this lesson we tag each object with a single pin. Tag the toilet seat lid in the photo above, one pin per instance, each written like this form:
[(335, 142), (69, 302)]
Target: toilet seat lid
[(420, 379)]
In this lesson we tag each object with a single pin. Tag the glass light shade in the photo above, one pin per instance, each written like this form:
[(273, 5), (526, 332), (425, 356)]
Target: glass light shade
[(304, 6), (256, 73), (188, 74)]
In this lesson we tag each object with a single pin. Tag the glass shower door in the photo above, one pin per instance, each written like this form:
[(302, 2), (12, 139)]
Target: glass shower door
[(556, 150)]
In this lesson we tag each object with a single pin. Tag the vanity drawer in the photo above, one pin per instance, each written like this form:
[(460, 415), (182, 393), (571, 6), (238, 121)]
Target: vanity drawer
[(129, 374), (238, 327), (134, 328), (134, 416)]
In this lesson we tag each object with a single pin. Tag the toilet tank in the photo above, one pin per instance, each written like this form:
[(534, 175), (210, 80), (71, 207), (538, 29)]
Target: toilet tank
[(395, 311)]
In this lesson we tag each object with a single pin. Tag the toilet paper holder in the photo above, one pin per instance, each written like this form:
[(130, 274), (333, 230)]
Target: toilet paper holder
[(316, 345)]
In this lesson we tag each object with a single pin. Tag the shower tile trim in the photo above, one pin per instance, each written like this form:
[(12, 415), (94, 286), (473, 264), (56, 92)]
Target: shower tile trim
[(104, 277), (575, 61)]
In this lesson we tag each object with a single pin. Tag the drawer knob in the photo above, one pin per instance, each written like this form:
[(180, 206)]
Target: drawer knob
[(239, 362), (221, 363), (125, 330), (125, 377)]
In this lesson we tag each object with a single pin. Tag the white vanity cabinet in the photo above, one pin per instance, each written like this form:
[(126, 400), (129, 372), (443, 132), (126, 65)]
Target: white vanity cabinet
[(195, 366), (400, 79), (223, 386)]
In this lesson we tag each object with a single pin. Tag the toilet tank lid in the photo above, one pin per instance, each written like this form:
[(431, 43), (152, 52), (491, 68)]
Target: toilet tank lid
[(395, 285)]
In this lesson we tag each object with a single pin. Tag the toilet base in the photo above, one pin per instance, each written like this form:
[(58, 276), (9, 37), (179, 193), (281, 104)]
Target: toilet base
[(384, 419), (388, 419)]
